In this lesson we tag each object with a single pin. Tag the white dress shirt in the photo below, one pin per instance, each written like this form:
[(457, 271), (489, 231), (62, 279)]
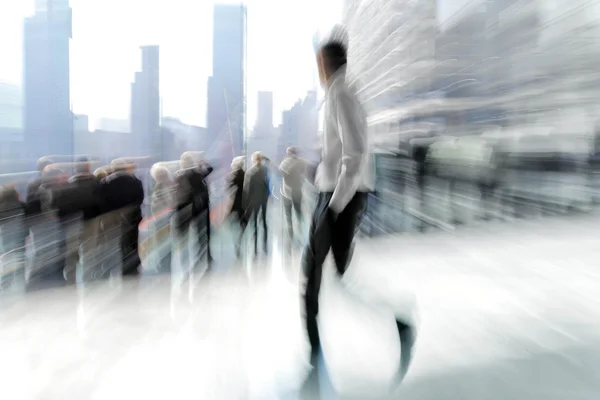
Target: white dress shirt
[(346, 161)]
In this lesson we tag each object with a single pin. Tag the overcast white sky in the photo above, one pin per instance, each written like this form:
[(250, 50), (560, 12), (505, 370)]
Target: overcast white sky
[(107, 35)]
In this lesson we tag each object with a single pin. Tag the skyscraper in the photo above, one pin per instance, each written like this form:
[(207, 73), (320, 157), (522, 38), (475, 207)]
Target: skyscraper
[(145, 104), (300, 127), (264, 121), (11, 106), (226, 111), (49, 5), (48, 120)]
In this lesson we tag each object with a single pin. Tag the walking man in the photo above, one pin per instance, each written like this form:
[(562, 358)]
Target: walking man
[(293, 170), (256, 197), (344, 178)]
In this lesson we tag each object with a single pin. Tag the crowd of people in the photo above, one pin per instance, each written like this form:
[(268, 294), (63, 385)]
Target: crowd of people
[(70, 221)]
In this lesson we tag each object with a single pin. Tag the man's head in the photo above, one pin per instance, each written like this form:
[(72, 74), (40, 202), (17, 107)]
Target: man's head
[(8, 193), (331, 57), (160, 174), (238, 163), (122, 165), (43, 162), (291, 151), (101, 173), (187, 160), (82, 166), (54, 174), (257, 158)]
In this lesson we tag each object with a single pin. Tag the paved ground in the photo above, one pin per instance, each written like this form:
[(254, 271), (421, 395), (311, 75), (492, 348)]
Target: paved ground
[(505, 311)]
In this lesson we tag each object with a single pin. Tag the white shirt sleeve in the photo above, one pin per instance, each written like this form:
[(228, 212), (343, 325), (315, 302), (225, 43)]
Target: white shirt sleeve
[(353, 136), (284, 166)]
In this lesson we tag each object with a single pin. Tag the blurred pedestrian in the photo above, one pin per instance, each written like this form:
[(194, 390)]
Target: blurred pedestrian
[(256, 197), (293, 171), (163, 195), (343, 180), (122, 196), (235, 184)]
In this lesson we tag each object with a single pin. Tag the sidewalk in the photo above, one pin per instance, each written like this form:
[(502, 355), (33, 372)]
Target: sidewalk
[(505, 311)]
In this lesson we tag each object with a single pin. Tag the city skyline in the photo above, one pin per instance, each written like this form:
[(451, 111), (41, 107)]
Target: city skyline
[(281, 63)]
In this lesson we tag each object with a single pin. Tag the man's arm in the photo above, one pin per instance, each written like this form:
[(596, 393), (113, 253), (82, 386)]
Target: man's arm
[(353, 136), (247, 184), (284, 167), (138, 198), (206, 170)]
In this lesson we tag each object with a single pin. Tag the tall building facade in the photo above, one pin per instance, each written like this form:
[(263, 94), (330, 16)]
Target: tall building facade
[(300, 128), (226, 110), (11, 106), (113, 125), (48, 121), (11, 123), (264, 136), (264, 120), (145, 104)]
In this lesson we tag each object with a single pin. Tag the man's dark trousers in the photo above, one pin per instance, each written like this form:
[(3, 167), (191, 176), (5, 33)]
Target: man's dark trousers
[(203, 227), (262, 208), (293, 202), (327, 231)]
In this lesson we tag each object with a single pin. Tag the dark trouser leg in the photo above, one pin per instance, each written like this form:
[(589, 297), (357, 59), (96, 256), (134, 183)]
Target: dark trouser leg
[(318, 246), (255, 220), (202, 223), (183, 244), (207, 221), (344, 230), (241, 215), (287, 208), (131, 262), (264, 223), (73, 233), (297, 203)]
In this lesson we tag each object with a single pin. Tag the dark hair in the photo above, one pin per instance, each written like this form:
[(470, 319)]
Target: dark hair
[(334, 55)]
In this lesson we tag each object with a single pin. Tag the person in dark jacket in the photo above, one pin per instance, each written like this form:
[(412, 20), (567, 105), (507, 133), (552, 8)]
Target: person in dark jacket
[(11, 219), (48, 232), (235, 184), (12, 234), (33, 205), (193, 200), (122, 196), (81, 206), (205, 170), (256, 197), (85, 187)]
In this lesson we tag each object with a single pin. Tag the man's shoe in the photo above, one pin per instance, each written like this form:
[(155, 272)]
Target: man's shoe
[(408, 337)]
